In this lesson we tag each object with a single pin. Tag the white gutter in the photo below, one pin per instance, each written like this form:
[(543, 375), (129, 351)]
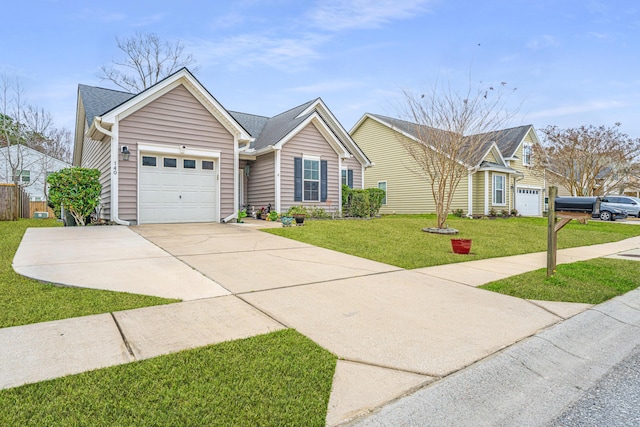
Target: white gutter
[(278, 167), (114, 171), (229, 218)]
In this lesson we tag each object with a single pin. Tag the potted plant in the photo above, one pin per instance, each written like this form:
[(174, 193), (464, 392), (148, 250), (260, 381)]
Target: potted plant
[(298, 213), (272, 216), (461, 246), (241, 215)]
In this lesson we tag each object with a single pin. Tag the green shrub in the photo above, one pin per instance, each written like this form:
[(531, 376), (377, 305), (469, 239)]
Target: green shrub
[(361, 203), (273, 216), (458, 212), (346, 196), (77, 190), (297, 210), (317, 213), (360, 206), (376, 196)]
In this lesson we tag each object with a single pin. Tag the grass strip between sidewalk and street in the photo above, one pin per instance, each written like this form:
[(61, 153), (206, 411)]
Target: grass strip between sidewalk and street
[(24, 301), (590, 282), (277, 379)]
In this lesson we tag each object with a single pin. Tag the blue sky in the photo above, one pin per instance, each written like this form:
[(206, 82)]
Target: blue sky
[(573, 62)]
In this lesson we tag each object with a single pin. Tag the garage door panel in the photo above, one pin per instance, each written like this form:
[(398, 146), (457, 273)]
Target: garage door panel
[(177, 194), (528, 201)]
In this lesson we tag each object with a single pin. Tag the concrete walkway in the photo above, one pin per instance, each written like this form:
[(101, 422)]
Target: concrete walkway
[(393, 330)]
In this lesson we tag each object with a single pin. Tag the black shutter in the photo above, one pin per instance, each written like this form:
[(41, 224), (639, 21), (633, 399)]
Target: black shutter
[(323, 180), (350, 178), (297, 179)]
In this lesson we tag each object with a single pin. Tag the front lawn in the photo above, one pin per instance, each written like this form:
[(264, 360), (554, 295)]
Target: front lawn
[(399, 240), (277, 379), (590, 282), (24, 300)]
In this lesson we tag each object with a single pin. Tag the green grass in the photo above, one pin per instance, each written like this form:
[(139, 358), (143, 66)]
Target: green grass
[(24, 301), (590, 282), (399, 240), (278, 379)]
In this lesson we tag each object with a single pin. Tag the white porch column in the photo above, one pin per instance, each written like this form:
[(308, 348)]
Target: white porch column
[(486, 192), (470, 194), (277, 180)]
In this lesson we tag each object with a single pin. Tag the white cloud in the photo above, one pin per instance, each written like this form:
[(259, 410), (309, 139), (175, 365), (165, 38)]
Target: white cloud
[(542, 42), (328, 86), (602, 36), (337, 15), (566, 110), (148, 20), (283, 53)]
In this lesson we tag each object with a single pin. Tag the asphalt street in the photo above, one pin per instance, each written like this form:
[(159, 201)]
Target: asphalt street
[(613, 401)]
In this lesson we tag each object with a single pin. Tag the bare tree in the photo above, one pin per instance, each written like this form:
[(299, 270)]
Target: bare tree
[(453, 129), (24, 128), (148, 59), (588, 160)]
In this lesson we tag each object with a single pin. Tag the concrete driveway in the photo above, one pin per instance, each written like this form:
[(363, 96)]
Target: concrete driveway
[(393, 330)]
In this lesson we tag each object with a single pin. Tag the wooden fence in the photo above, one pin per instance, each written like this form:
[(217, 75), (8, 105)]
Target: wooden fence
[(14, 203), (40, 207)]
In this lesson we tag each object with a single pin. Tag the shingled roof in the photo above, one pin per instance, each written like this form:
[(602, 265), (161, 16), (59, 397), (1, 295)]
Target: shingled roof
[(507, 140), (270, 130), (97, 100)]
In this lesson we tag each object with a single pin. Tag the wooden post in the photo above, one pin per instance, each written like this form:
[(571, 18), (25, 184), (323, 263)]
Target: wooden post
[(552, 235)]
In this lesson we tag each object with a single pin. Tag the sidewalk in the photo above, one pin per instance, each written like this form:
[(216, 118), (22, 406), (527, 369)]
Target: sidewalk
[(393, 330)]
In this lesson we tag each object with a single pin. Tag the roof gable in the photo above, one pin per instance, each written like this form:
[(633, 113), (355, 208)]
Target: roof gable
[(508, 140), (181, 77)]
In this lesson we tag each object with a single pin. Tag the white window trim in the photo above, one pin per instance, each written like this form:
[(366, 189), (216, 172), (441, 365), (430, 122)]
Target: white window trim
[(504, 191), (530, 147), (386, 193), (344, 169), (314, 159)]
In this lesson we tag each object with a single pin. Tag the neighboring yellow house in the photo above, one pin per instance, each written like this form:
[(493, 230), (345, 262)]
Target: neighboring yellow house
[(501, 181)]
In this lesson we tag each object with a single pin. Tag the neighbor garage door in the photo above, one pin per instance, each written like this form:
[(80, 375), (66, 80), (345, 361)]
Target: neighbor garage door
[(528, 202), (177, 189)]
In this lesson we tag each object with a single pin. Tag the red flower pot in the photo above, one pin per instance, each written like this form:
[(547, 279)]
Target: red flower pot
[(461, 246)]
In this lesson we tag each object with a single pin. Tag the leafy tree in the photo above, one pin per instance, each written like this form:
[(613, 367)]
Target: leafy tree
[(77, 190), (588, 160), (147, 60)]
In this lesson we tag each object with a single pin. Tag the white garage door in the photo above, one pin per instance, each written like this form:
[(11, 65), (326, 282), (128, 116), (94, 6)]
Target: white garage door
[(177, 189), (528, 202)]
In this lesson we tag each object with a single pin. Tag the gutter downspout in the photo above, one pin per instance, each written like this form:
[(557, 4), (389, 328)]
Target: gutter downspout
[(277, 159), (114, 172)]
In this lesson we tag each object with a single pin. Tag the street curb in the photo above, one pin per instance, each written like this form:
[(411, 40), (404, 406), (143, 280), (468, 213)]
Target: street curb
[(529, 383)]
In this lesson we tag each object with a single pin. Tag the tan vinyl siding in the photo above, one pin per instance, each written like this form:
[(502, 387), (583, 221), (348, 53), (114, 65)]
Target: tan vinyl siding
[(97, 155), (309, 142), (261, 182), (408, 190), (531, 178), (176, 118), (490, 157), (478, 193)]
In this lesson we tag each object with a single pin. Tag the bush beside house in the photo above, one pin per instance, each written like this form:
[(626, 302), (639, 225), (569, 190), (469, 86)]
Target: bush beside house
[(361, 203), (77, 190)]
